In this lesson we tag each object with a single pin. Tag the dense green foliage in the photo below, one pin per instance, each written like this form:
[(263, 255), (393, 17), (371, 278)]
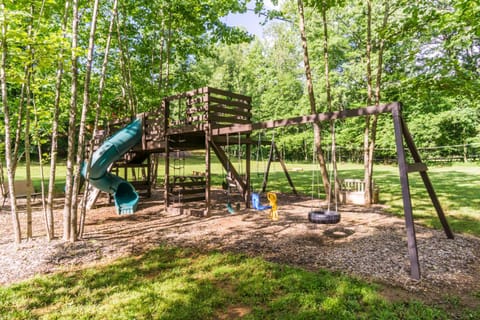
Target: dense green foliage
[(430, 63), (169, 283)]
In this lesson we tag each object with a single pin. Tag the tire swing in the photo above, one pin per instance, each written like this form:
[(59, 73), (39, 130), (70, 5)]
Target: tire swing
[(328, 216), (323, 216)]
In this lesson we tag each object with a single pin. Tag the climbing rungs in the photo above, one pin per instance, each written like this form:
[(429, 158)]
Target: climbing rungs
[(174, 191), (182, 199)]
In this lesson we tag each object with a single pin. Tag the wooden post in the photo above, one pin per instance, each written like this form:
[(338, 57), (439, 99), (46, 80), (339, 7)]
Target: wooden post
[(166, 106), (247, 171), (149, 175), (208, 178), (267, 170), (208, 166), (407, 201)]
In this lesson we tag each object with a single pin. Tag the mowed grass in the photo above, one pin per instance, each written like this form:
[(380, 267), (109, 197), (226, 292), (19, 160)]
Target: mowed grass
[(172, 283)]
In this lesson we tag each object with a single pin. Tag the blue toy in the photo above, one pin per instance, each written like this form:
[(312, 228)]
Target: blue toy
[(256, 202)]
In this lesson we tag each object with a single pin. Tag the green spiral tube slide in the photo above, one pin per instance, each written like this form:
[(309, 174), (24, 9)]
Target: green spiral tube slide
[(124, 194)]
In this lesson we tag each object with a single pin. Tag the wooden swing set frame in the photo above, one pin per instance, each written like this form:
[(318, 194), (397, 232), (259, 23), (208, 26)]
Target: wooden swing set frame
[(219, 113)]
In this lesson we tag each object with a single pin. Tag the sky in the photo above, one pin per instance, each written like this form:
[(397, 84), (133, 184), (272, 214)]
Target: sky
[(249, 20)]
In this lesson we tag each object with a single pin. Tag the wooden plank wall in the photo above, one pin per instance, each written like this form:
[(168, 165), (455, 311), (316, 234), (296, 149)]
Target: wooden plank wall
[(192, 111), (226, 108)]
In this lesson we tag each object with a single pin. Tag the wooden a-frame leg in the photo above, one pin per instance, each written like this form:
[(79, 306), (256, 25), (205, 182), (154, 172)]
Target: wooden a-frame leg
[(285, 170), (426, 181), (407, 201), (267, 169)]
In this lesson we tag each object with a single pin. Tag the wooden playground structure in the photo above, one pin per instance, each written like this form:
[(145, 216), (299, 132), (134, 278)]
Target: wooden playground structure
[(209, 119)]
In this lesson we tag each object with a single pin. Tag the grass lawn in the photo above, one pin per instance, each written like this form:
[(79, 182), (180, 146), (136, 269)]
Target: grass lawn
[(172, 283)]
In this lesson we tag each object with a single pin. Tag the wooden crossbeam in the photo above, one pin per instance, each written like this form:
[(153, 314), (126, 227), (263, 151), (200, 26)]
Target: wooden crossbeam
[(316, 117), (416, 167)]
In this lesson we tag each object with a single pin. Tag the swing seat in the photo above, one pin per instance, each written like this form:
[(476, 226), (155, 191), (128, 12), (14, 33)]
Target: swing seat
[(324, 216), (256, 203), (230, 208), (272, 198)]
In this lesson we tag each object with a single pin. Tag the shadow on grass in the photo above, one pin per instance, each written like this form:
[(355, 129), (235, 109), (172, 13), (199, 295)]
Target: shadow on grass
[(170, 283)]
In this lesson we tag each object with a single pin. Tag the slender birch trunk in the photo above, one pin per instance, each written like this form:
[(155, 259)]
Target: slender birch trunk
[(28, 171), (317, 129), (28, 93), (20, 113), (40, 163), (161, 89), (54, 139), (378, 83), (83, 120), (366, 134), (8, 141), (86, 102), (67, 210), (168, 45), (101, 87)]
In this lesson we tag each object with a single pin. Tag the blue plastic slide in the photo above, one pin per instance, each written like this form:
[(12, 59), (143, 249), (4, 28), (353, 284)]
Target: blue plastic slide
[(126, 198)]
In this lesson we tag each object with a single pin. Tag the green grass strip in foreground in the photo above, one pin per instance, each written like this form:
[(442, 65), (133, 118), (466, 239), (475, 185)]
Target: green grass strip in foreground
[(172, 283)]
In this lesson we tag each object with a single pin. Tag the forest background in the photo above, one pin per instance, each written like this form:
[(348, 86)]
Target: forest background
[(66, 63)]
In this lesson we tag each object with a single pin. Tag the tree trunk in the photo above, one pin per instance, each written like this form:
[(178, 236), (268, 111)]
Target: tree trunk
[(378, 83), (169, 43), (163, 86), (40, 163), (8, 141), (162, 42), (366, 134), (28, 94), (83, 120), (97, 115), (124, 66), (325, 58), (329, 105), (20, 113), (54, 139), (28, 173), (68, 233), (317, 129)]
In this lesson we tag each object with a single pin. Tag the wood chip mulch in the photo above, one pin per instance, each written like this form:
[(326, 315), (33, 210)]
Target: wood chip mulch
[(367, 243)]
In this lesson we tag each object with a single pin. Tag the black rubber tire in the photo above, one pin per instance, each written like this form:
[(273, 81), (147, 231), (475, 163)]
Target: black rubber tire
[(323, 217)]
